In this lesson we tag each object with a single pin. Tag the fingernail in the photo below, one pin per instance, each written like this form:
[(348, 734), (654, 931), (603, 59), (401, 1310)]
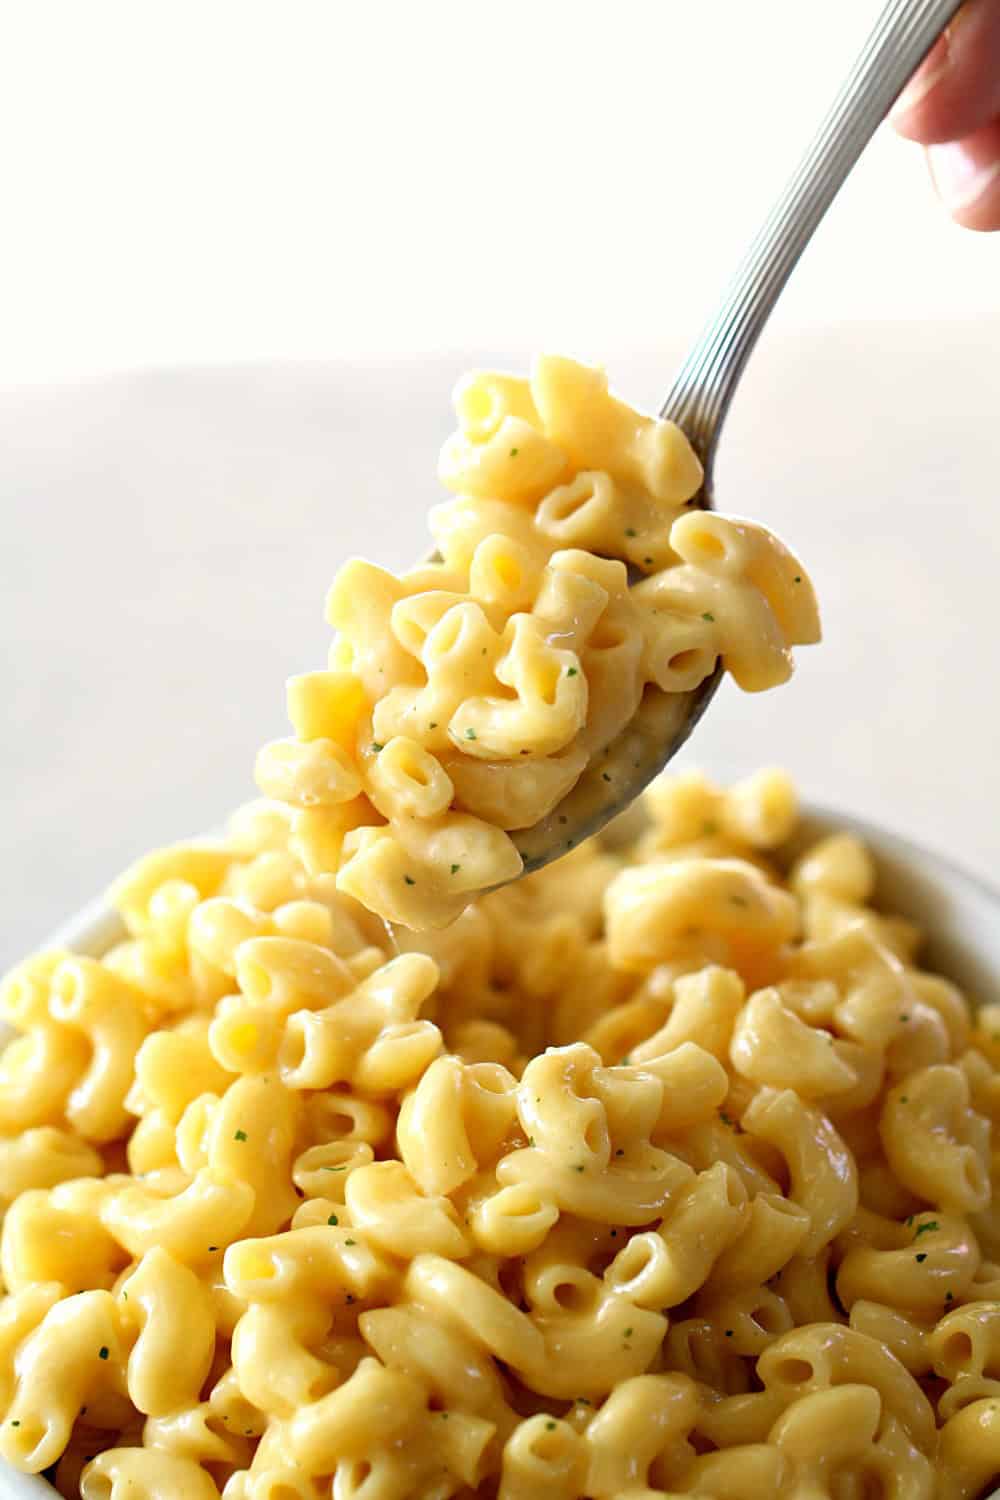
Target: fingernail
[(959, 178), (916, 90)]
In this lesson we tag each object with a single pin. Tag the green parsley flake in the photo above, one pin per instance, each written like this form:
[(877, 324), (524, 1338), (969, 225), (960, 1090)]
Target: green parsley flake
[(904, 1099), (455, 869), (350, 1242), (470, 734), (531, 1140), (628, 1333), (513, 453), (904, 1018), (605, 776), (922, 1255), (336, 1169), (709, 617), (409, 880), (377, 747), (240, 1135), (931, 1225), (626, 1060), (124, 1296), (798, 578), (103, 1352), (571, 672), (578, 1169), (550, 1427), (212, 1249), (333, 1219), (432, 724), (631, 531), (709, 827), (14, 1422)]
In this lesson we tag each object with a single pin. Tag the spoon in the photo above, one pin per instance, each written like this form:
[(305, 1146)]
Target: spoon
[(701, 394)]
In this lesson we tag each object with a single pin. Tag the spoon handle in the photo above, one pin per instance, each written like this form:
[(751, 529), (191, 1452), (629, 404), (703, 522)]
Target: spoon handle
[(700, 396)]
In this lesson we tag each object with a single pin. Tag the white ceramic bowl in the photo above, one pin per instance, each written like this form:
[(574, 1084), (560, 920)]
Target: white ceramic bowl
[(960, 913)]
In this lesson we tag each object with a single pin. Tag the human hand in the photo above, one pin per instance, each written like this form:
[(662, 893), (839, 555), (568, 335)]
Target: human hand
[(951, 107)]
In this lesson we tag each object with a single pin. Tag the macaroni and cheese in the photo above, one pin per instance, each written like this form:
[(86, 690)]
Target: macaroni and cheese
[(465, 700), (664, 1171)]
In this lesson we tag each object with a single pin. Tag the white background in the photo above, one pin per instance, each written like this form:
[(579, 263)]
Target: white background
[(187, 180), (384, 192)]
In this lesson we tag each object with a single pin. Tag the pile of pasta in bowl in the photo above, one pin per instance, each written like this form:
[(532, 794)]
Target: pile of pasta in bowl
[(666, 1171)]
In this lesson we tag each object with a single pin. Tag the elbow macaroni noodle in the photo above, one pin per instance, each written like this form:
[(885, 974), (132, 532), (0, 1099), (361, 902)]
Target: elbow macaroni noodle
[(664, 1172), (465, 699)]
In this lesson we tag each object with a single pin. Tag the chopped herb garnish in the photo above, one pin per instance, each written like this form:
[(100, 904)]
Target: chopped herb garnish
[(433, 724), (729, 1333), (798, 578), (513, 453), (14, 1422), (739, 901), (455, 869), (350, 1242), (922, 1255), (531, 1140), (709, 826), (377, 747), (583, 1401), (333, 1219), (550, 1427), (626, 1059), (212, 1249), (605, 776), (409, 880), (931, 1225), (628, 1333), (103, 1352), (631, 531), (571, 672), (904, 1098), (470, 734), (904, 1017), (707, 615), (240, 1135), (336, 1169), (578, 1168)]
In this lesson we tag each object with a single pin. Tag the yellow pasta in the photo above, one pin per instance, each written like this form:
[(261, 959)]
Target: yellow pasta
[(618, 1189), (465, 699)]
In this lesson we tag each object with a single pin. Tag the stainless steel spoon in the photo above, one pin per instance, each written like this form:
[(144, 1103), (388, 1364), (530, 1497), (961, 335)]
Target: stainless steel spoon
[(700, 396)]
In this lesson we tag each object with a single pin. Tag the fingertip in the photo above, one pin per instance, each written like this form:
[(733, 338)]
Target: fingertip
[(966, 177)]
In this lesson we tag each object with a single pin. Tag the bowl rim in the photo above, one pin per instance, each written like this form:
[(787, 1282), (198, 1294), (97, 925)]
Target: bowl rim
[(96, 926)]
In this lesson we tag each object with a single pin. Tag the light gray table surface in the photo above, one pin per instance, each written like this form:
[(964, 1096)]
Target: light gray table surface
[(168, 538)]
